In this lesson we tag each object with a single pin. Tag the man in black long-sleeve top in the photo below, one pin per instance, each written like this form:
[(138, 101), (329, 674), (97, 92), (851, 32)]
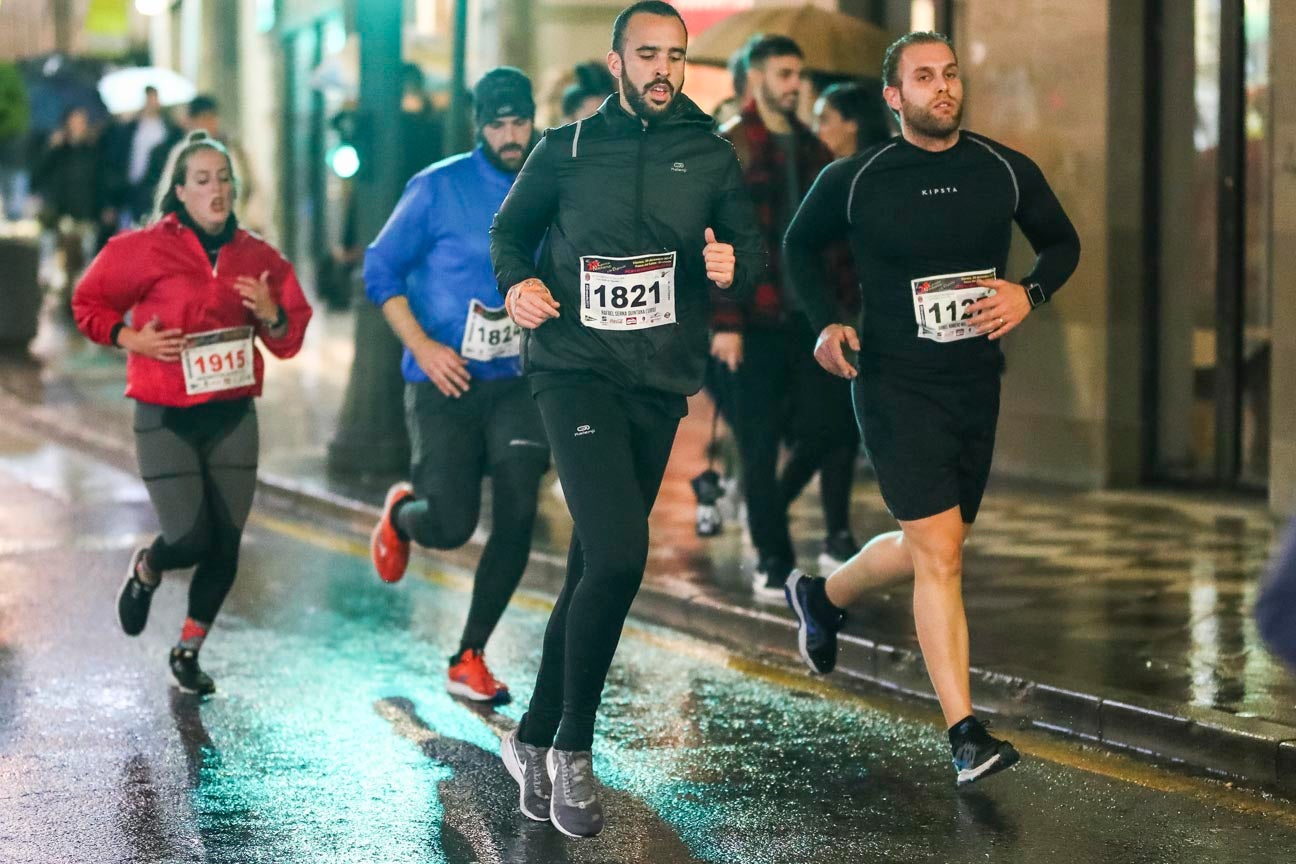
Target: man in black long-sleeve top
[(642, 211), (929, 219)]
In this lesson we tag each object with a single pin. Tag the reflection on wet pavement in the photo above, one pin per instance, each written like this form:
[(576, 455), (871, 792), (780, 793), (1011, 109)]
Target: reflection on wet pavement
[(331, 738)]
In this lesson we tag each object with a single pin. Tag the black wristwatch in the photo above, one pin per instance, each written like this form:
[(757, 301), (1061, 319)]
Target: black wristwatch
[(280, 319), (1035, 294)]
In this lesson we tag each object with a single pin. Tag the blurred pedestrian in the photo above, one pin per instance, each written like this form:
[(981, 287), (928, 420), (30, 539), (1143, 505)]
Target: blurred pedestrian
[(187, 297), (593, 85), (1276, 607), (135, 155), (850, 117), (67, 178), (764, 373)]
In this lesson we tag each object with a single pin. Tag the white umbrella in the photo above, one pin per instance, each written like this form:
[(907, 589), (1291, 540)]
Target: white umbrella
[(123, 90)]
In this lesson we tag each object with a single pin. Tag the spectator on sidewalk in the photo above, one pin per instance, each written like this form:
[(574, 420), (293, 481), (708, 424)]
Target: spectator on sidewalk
[(850, 117), (67, 178), (129, 157)]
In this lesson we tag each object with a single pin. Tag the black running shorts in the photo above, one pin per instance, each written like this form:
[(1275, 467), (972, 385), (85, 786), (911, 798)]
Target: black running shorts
[(930, 443)]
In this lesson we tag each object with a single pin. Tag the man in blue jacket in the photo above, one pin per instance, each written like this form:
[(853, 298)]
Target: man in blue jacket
[(469, 412)]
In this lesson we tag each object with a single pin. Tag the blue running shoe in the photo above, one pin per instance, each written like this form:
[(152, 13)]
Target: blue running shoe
[(817, 621)]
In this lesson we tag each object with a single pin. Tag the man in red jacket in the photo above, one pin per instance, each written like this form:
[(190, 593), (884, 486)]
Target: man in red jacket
[(764, 376)]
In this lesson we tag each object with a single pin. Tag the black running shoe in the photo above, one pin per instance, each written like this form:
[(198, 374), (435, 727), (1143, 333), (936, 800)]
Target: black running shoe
[(817, 621), (977, 754), (187, 674), (134, 598)]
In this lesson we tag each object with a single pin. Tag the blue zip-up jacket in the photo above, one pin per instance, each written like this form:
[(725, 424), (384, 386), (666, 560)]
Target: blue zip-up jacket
[(435, 250)]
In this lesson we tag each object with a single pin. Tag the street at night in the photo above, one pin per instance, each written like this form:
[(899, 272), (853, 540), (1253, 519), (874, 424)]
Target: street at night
[(331, 738)]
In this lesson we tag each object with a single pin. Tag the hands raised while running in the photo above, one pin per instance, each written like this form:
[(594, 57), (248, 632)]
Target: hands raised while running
[(719, 260), (152, 341), (828, 349), (530, 304)]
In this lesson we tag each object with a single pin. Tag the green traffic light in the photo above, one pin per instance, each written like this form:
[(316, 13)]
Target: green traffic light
[(344, 160)]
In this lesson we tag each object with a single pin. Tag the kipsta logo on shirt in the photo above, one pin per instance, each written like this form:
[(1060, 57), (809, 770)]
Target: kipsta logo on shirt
[(940, 190)]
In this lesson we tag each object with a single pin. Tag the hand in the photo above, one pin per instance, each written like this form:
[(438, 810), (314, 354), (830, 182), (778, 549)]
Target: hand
[(728, 349), (152, 341), (530, 304), (257, 297), (719, 258), (1001, 310), (444, 366), (828, 349)]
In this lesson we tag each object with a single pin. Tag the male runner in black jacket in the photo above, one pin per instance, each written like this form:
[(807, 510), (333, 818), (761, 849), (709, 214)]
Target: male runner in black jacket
[(645, 213)]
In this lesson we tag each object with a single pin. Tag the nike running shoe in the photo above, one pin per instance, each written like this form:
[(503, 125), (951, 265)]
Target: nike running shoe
[(470, 678), (526, 765), (188, 676), (389, 552), (839, 547), (134, 598), (817, 621), (977, 754), (575, 809)]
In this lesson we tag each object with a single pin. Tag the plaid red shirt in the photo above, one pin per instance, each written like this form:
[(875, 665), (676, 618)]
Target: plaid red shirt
[(763, 164)]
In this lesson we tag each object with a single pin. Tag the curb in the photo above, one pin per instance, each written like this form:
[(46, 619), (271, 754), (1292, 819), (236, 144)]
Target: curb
[(1249, 749)]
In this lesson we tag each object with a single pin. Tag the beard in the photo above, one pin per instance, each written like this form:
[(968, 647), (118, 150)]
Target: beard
[(786, 106), (508, 158), (638, 99), (924, 122)]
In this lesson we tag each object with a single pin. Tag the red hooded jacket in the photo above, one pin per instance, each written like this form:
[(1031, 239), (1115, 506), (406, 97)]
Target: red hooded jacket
[(162, 271)]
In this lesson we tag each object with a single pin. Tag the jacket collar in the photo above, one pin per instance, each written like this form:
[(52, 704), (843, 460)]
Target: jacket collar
[(683, 112)]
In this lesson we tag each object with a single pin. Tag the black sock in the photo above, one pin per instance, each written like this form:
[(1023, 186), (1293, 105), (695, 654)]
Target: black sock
[(824, 607)]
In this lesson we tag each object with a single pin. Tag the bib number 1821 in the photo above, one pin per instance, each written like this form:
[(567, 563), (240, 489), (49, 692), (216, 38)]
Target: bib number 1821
[(628, 296)]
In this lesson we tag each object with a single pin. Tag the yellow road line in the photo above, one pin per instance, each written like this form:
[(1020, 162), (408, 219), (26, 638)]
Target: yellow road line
[(1111, 765)]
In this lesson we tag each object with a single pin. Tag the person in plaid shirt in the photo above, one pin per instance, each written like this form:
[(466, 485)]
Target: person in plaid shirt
[(763, 374)]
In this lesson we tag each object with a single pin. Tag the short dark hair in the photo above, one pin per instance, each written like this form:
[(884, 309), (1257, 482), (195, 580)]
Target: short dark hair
[(647, 7), (203, 104), (773, 45), (149, 88), (891, 61)]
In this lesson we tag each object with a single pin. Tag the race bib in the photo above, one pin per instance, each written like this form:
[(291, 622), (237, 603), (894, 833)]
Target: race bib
[(941, 304), (628, 293), (218, 360), (489, 334)]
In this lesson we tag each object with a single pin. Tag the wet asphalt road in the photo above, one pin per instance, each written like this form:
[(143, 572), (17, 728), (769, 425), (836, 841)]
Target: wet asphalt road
[(331, 740)]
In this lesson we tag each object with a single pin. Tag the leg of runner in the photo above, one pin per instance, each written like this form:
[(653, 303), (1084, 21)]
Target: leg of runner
[(611, 454), (518, 458)]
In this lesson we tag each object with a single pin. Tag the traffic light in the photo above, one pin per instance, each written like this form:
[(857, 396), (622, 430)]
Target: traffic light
[(344, 158)]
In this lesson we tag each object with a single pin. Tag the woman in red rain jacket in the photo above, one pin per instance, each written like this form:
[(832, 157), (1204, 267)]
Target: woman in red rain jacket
[(187, 298)]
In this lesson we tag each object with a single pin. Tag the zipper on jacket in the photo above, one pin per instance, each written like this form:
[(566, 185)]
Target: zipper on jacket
[(639, 181)]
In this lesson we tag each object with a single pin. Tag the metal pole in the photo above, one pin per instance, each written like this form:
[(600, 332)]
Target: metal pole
[(458, 127), (371, 437)]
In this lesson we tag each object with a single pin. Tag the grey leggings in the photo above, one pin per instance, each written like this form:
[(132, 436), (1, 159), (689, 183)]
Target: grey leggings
[(199, 465)]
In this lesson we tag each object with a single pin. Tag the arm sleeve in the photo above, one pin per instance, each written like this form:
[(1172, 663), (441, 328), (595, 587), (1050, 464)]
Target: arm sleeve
[(734, 221), (292, 300), (403, 241), (1046, 226), (524, 217), (820, 221), (107, 290)]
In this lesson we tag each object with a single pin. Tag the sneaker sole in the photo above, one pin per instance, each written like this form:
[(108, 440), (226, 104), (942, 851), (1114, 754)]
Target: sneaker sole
[(1001, 761), (454, 688), (515, 771), (121, 592), (553, 817), (802, 627), (184, 689)]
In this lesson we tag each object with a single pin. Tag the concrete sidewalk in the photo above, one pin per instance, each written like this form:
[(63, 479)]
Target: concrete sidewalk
[(1118, 617)]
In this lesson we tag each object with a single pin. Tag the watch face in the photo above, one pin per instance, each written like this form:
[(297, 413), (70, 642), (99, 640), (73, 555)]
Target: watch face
[(1035, 293)]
